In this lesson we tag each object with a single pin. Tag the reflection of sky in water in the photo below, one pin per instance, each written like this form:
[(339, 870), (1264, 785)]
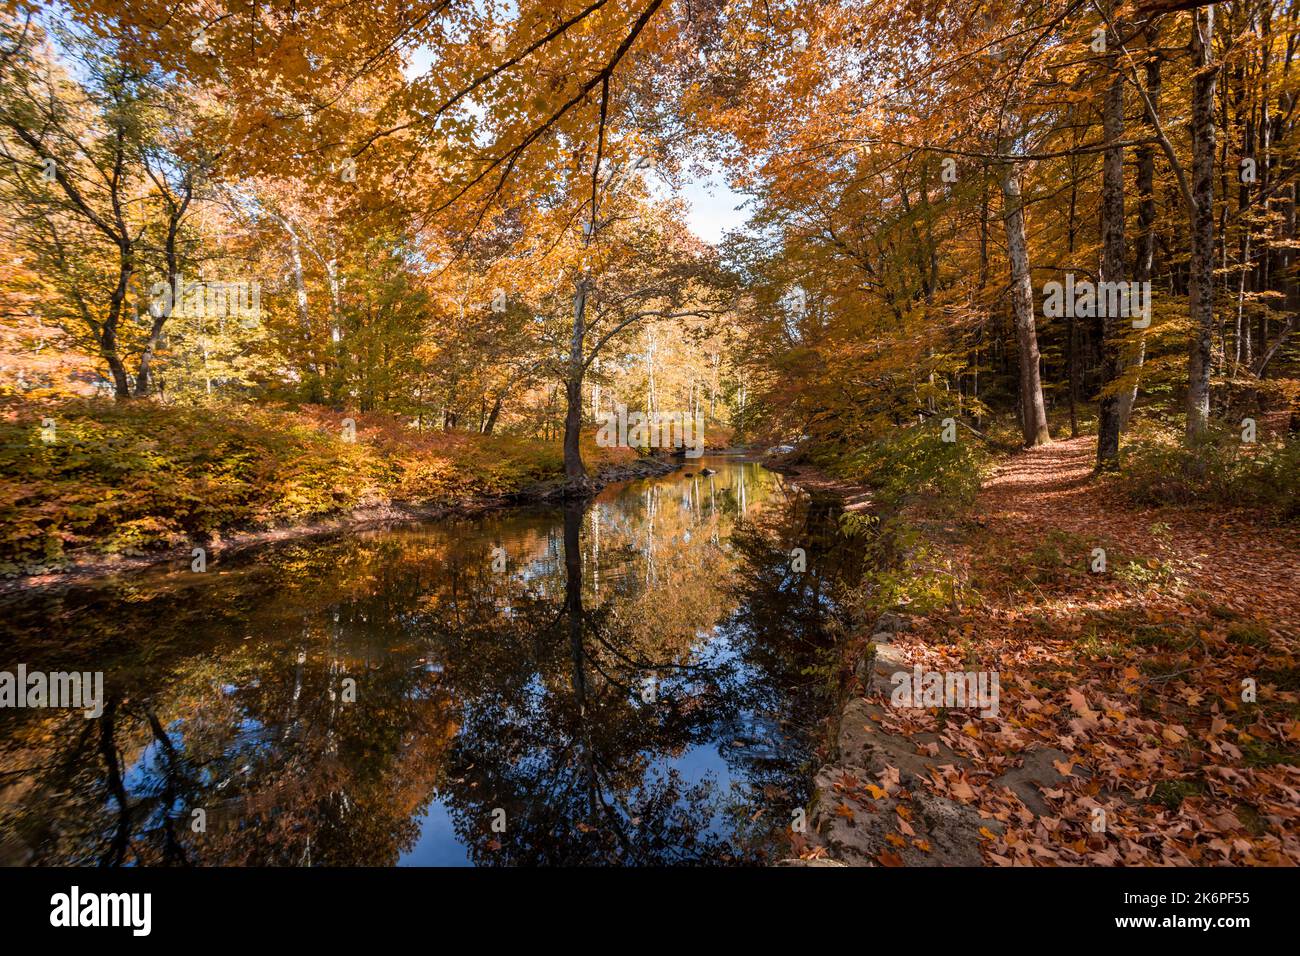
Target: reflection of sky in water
[(708, 765), (438, 844)]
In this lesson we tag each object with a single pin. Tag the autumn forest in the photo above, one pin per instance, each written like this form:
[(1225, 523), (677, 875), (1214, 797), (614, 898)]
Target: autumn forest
[(803, 433)]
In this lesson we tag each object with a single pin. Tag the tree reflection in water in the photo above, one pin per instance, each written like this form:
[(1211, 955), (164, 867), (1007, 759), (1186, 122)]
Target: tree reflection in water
[(634, 689)]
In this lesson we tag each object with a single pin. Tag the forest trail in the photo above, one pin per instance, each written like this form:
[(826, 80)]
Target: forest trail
[(1147, 714), (1251, 567)]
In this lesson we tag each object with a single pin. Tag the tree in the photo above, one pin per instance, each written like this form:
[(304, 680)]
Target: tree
[(1112, 261), (1201, 278), (98, 190)]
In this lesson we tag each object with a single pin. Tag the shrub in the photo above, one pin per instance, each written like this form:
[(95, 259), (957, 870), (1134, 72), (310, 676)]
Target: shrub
[(127, 478), (1220, 468), (915, 463)]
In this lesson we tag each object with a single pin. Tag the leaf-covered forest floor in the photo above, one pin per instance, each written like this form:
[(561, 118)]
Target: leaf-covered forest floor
[(1149, 712)]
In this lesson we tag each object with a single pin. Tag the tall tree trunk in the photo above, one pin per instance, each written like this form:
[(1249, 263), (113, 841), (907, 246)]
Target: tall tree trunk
[(574, 472), (1290, 285), (1135, 354), (1112, 271), (1071, 332), (116, 367), (144, 377), (1033, 411), (491, 422), (176, 212), (108, 334), (1201, 267), (316, 390)]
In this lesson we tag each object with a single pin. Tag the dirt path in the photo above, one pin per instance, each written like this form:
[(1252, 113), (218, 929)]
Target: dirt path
[(1147, 713), (1251, 567)]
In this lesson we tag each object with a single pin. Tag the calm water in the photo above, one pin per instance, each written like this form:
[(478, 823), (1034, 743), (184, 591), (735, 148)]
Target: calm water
[(642, 684)]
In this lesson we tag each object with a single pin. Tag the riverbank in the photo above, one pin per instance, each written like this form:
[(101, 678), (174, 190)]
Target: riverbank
[(867, 800), (94, 488), (854, 495), (1147, 692)]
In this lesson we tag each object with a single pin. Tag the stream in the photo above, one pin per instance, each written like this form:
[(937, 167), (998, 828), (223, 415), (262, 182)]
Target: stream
[(637, 679)]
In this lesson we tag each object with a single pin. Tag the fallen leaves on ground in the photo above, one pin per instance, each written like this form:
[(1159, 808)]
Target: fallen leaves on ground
[(1137, 673)]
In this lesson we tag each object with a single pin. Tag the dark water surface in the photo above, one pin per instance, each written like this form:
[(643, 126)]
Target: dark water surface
[(642, 684)]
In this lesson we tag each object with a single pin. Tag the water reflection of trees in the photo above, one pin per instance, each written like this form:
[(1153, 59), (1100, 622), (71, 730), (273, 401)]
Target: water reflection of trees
[(518, 691)]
